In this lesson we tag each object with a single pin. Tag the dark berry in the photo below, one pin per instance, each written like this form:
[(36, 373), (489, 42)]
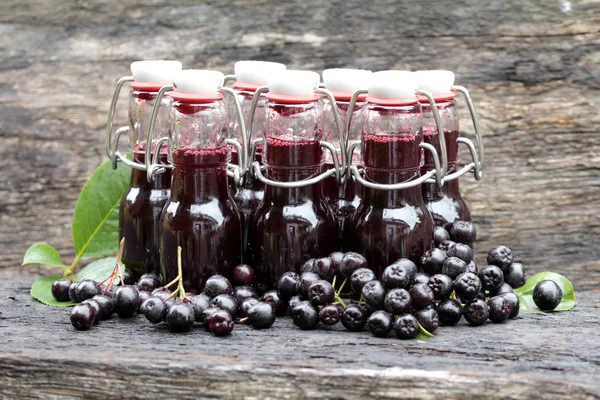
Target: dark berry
[(463, 232), (97, 309), (351, 262), (462, 251), (354, 317), (380, 323), (216, 285), (308, 266), (261, 315), (293, 302), (199, 303), (449, 312), (514, 304), (504, 288), (476, 312), (72, 294), (221, 323), (406, 326), (306, 279), (86, 289), (144, 295), (148, 282), (441, 286), (500, 256), (439, 235), (60, 289), (83, 316), (286, 286), (336, 259), (272, 297), (491, 278), (467, 286), (226, 302), (162, 292), (359, 278), (421, 277), (373, 293), (446, 245), (453, 267), (242, 293), (428, 318), (246, 305), (154, 309), (243, 274), (305, 315), (397, 301), (324, 267), (206, 314), (180, 317), (127, 301), (330, 314), (129, 277), (107, 305), (515, 276), (472, 267), (321, 293), (500, 308), (432, 261), (482, 295), (421, 296), (547, 295), (400, 274)]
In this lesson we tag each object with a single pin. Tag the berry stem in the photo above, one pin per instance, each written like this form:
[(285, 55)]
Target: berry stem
[(341, 286), (180, 288), (333, 282), (339, 300)]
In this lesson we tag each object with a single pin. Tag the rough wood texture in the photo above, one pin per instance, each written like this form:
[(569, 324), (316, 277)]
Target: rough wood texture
[(534, 356)]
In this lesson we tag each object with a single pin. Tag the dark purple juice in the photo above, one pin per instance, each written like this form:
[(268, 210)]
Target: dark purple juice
[(446, 204), (290, 225), (390, 224), (201, 217), (139, 215)]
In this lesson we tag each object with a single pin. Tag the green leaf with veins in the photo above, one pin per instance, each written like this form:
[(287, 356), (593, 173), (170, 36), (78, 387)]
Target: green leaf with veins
[(42, 253)]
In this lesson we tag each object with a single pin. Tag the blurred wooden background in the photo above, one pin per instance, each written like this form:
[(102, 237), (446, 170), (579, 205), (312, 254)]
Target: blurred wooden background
[(533, 69)]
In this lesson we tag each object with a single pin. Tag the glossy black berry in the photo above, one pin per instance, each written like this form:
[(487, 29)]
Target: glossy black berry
[(336, 259), (441, 286), (60, 289), (421, 296), (472, 267), (86, 289), (453, 267), (286, 286), (354, 318), (242, 293), (476, 312), (226, 302), (206, 314), (547, 295), (373, 293), (107, 305), (491, 278), (500, 256), (515, 276), (321, 293), (446, 245), (148, 282), (126, 301), (514, 304), (293, 302), (272, 297), (308, 266), (330, 314), (439, 235), (351, 262), (500, 308), (397, 301), (432, 261), (504, 288), (72, 294), (306, 279), (144, 295), (82, 316), (463, 232), (359, 278), (97, 309), (449, 312), (216, 285), (180, 317), (462, 251), (400, 274), (421, 277), (261, 315), (324, 267), (162, 292), (243, 274), (428, 318), (380, 323), (154, 309), (129, 277), (467, 286), (305, 315), (406, 326), (246, 305), (221, 323), (199, 303)]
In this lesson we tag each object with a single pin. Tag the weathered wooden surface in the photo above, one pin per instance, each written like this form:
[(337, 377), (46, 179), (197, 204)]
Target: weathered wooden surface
[(537, 355)]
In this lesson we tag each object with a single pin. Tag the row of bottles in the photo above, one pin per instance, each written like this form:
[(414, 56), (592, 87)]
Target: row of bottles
[(280, 168)]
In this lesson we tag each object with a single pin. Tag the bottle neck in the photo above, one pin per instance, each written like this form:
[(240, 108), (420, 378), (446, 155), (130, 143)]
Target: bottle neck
[(392, 198), (432, 192), (139, 178), (291, 196)]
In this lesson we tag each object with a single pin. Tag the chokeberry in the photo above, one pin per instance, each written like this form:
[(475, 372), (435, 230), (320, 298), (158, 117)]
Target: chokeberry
[(453, 267), (432, 261), (504, 288), (462, 251), (547, 295), (446, 245), (261, 315), (463, 232), (162, 292), (206, 315), (293, 302), (286, 286), (380, 323), (336, 259), (428, 318), (500, 308), (72, 292), (324, 267), (406, 326), (272, 297), (242, 293), (107, 304), (60, 289), (421, 277), (421, 296), (144, 295), (515, 276), (86, 289), (491, 277), (400, 274), (216, 285), (397, 301), (441, 286), (246, 305), (226, 302), (354, 318), (306, 279), (199, 303), (449, 312), (154, 309), (500, 256), (359, 278), (129, 277), (330, 314), (221, 323), (180, 317), (305, 315), (439, 235), (467, 286), (83, 316), (321, 293), (514, 304), (476, 312), (148, 282), (373, 293), (97, 309), (351, 262), (126, 301), (308, 266), (243, 274)]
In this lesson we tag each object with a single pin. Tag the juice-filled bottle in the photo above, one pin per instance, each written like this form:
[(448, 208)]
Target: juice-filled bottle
[(392, 221), (200, 216), (143, 201), (446, 203), (293, 222), (251, 76), (343, 83)]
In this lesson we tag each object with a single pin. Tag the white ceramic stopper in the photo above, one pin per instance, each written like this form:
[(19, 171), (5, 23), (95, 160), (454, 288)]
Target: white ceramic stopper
[(393, 85), (198, 81), (258, 73), (341, 80), (436, 81), (295, 83), (155, 71)]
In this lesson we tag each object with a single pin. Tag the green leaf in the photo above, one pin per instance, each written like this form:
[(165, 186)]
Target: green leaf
[(423, 334), (525, 292), (96, 217), (41, 290), (42, 253), (99, 270)]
